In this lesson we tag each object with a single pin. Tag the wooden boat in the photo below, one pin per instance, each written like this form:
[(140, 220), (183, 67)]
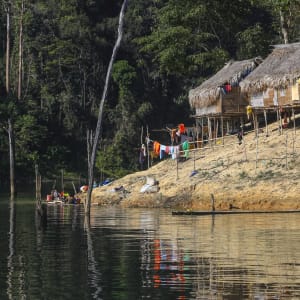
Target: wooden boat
[(232, 212)]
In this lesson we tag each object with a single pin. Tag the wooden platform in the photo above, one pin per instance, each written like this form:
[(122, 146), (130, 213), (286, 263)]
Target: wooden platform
[(233, 212)]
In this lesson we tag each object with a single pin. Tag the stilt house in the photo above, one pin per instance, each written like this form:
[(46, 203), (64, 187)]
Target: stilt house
[(274, 86), (219, 104)]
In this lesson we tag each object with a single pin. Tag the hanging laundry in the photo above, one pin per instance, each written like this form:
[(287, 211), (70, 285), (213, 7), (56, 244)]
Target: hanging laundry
[(162, 151), (181, 128), (228, 88), (156, 147), (185, 148)]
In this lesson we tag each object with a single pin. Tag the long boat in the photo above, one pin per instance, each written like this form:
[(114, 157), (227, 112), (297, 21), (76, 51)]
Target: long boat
[(232, 212)]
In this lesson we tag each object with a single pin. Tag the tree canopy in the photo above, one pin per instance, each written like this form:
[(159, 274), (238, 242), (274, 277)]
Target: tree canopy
[(169, 47)]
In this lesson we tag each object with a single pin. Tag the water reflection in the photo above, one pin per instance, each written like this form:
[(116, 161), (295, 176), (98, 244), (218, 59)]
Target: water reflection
[(11, 246), (147, 254), (94, 275)]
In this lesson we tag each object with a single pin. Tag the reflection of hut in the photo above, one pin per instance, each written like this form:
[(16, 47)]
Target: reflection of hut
[(219, 99), (274, 86)]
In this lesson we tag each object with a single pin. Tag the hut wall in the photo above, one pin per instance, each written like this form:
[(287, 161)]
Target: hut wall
[(212, 109), (272, 97), (296, 92), (234, 101)]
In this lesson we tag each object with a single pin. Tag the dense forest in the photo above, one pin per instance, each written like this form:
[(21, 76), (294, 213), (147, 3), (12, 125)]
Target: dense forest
[(54, 57)]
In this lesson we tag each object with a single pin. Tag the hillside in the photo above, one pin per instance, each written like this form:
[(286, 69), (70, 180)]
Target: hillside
[(261, 174)]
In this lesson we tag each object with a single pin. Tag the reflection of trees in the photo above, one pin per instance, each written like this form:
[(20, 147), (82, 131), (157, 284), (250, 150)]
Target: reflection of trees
[(15, 276), (94, 274), (11, 246)]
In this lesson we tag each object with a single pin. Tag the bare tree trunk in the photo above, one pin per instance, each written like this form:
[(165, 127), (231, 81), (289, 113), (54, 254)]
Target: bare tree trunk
[(20, 51), (10, 126), (284, 27), (7, 67), (11, 158), (99, 122)]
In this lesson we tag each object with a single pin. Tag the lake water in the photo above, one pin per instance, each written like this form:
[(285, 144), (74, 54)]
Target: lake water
[(146, 254)]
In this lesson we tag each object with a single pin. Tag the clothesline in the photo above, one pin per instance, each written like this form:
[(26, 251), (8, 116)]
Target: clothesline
[(172, 150)]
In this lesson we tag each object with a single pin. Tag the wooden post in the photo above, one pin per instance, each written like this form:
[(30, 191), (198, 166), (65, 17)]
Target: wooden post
[(194, 159), (36, 183), (222, 126), (256, 156), (177, 177), (254, 123), (62, 180), (266, 122), (280, 119), (227, 125), (209, 129), (74, 188), (41, 209), (148, 140), (286, 151), (11, 139), (202, 133), (212, 198), (293, 112), (245, 150), (216, 130)]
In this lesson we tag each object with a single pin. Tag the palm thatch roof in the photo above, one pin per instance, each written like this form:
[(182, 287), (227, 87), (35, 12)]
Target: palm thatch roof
[(210, 90), (278, 70)]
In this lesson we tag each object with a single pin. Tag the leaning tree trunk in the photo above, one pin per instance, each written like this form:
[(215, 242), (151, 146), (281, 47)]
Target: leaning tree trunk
[(10, 126), (99, 122), (11, 158), (7, 67)]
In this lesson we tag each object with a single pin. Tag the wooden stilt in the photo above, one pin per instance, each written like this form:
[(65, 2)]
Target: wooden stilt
[(202, 133), (293, 112), (266, 122), (222, 129)]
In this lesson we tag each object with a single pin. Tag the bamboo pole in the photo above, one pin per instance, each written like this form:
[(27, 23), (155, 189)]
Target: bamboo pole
[(74, 188), (62, 181), (194, 159), (202, 133), (256, 154), (209, 130), (148, 140), (286, 151), (177, 177), (36, 184), (245, 150), (266, 123), (293, 112), (222, 126), (216, 130), (280, 119), (254, 123)]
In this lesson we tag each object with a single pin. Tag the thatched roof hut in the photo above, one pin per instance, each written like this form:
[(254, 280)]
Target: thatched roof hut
[(210, 91), (279, 70)]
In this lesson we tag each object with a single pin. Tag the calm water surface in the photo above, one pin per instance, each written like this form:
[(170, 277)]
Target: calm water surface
[(146, 254)]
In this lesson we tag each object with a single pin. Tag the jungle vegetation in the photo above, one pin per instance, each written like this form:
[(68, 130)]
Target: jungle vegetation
[(52, 77)]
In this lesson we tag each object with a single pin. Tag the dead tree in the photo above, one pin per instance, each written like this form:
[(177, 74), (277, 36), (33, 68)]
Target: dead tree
[(96, 139)]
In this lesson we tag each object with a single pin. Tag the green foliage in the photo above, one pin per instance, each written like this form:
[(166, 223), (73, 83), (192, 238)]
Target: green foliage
[(253, 42), (169, 47)]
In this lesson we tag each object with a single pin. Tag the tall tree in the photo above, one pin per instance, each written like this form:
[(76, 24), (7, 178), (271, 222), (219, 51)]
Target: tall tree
[(99, 122)]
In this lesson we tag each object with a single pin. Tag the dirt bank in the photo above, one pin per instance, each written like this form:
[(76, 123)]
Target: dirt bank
[(260, 174)]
